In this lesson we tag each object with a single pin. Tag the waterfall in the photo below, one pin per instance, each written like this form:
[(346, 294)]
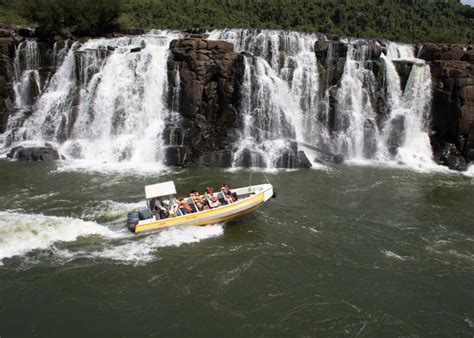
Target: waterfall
[(356, 134), (406, 130), (106, 102), (27, 83), (109, 100), (285, 99), (279, 95)]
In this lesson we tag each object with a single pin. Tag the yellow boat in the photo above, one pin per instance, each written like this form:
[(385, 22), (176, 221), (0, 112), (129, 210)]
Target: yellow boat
[(144, 220)]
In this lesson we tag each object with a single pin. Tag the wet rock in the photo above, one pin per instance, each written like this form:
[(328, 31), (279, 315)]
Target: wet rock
[(176, 156), (326, 158), (33, 154), (449, 155), (370, 145), (206, 97), (453, 52), (302, 160), (453, 102), (220, 159), (403, 68), (250, 159), (290, 157), (396, 134)]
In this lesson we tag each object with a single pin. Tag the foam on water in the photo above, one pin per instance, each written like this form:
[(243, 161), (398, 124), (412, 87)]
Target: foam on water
[(140, 250), (109, 211), (470, 171), (21, 233), (390, 254), (125, 167), (143, 249)]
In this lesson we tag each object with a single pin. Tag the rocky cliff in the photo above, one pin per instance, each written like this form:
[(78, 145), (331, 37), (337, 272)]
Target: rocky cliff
[(452, 68), (8, 41), (206, 80)]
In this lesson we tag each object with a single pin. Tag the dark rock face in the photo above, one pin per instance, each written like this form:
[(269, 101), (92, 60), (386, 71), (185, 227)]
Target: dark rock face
[(206, 96), (8, 40), (220, 159), (34, 154), (331, 56), (449, 155), (452, 69), (403, 69)]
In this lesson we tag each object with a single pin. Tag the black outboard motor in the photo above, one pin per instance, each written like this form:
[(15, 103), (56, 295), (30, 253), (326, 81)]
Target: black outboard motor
[(136, 216), (133, 218), (144, 213)]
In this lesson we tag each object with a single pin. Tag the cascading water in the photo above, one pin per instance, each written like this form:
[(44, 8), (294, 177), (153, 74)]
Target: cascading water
[(406, 130), (106, 102), (285, 98), (279, 95), (27, 83), (355, 134), (121, 116)]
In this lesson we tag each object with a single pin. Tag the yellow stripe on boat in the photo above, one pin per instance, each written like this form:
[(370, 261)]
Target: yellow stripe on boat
[(220, 214)]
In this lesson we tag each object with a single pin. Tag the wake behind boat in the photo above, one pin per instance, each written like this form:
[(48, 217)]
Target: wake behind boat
[(163, 210)]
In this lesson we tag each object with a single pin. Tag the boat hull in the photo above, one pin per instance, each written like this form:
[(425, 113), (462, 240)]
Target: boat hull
[(217, 215)]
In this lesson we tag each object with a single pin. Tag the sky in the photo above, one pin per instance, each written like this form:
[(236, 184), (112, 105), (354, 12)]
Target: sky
[(468, 2)]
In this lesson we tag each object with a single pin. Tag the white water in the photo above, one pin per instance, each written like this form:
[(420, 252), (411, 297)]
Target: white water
[(356, 135), (27, 83), (284, 101), (410, 107), (113, 111), (280, 94), (21, 233), (105, 106)]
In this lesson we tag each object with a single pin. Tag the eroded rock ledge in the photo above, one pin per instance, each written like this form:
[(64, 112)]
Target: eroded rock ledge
[(206, 96), (452, 71)]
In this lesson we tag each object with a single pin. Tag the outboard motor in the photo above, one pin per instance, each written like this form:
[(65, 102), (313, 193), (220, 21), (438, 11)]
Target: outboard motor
[(133, 217), (144, 213)]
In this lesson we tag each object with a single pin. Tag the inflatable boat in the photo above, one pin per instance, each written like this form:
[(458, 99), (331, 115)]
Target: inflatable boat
[(146, 219)]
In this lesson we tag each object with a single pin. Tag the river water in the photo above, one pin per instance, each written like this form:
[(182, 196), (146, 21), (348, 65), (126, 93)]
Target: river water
[(347, 250)]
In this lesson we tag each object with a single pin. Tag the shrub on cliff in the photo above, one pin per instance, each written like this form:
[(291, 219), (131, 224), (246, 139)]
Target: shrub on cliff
[(78, 17)]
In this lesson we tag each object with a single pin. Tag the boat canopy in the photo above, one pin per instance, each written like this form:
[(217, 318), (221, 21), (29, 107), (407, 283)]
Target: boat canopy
[(160, 189)]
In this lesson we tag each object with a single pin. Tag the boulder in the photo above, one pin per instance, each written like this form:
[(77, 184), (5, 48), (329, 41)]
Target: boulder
[(250, 159), (34, 154), (449, 155), (326, 158), (292, 158)]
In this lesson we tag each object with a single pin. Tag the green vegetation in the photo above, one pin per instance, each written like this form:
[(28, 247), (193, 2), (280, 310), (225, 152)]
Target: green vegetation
[(399, 20), (8, 14)]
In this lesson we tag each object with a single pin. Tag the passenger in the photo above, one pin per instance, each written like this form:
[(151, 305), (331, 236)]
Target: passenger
[(212, 198), (183, 206), (158, 206), (232, 196), (200, 204)]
